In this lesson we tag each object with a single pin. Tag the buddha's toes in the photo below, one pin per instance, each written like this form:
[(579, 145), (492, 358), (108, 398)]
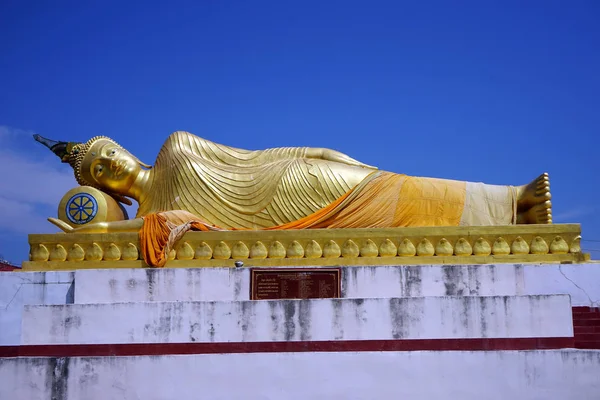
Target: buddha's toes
[(538, 214), (534, 193)]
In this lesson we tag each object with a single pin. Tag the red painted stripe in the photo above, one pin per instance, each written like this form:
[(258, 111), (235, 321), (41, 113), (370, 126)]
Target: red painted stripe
[(587, 344), (587, 329), (585, 310), (153, 349), (586, 322), (587, 337)]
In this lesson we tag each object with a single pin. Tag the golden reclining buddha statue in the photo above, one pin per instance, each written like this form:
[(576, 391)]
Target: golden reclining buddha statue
[(201, 185)]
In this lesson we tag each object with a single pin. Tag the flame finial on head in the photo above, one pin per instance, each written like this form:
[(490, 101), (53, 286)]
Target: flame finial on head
[(62, 149), (72, 153)]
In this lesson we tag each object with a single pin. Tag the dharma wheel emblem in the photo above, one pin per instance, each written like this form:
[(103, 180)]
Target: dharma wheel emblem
[(81, 208)]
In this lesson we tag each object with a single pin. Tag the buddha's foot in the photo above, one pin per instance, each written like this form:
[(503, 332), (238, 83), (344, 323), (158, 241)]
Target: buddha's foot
[(538, 214), (536, 192)]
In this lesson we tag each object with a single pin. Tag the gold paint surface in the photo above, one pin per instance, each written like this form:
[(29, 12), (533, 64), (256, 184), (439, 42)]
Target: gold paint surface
[(388, 249), (107, 208), (368, 249), (463, 248), (482, 247), (559, 246), (233, 188), (350, 249), (319, 247)]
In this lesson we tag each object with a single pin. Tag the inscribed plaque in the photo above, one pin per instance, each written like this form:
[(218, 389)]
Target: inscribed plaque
[(294, 283)]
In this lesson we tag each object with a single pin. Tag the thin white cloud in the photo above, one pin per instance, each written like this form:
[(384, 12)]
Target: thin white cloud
[(20, 217), (29, 184), (33, 181), (8, 132), (572, 215)]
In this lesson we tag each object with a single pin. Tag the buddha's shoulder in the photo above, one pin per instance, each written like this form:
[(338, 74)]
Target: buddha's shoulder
[(179, 137), (183, 139)]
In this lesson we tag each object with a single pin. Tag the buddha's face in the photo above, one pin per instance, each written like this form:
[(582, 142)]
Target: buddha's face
[(110, 166)]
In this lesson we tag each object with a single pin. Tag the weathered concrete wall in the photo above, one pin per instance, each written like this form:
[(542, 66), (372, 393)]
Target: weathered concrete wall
[(168, 284), (132, 285), (124, 285), (493, 375), (577, 280), (19, 288), (580, 281), (323, 319)]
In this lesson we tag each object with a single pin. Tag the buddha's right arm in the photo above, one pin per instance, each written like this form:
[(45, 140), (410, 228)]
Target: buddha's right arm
[(130, 225), (280, 153), (335, 156)]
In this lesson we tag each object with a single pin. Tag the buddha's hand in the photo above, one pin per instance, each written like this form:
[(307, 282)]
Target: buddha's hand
[(61, 224), (128, 225), (336, 156), (98, 227)]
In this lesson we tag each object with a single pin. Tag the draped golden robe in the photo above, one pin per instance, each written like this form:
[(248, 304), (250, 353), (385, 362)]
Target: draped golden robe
[(234, 188), (201, 185)]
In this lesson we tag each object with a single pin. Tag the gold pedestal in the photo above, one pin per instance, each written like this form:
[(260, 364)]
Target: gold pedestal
[(318, 247)]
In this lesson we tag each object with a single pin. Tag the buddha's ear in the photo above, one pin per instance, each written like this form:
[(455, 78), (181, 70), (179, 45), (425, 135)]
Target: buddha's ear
[(147, 166), (141, 163), (121, 199)]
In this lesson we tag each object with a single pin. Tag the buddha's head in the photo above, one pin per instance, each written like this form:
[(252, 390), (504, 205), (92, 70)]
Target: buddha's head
[(100, 162)]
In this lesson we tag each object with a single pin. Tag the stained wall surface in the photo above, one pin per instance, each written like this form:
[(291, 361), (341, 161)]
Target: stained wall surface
[(301, 320), (492, 375), (20, 288), (197, 284), (17, 289)]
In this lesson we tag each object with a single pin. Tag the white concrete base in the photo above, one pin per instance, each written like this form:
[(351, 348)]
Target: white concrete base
[(19, 288), (493, 375), (164, 284), (200, 284), (304, 320), (224, 284)]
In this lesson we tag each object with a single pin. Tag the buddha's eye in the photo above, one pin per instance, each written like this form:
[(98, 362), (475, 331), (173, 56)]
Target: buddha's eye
[(112, 152), (98, 170)]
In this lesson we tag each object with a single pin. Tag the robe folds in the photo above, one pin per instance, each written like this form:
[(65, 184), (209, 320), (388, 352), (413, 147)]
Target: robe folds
[(201, 185)]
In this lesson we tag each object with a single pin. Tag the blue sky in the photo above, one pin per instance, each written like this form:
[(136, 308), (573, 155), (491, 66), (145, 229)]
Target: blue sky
[(492, 91)]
